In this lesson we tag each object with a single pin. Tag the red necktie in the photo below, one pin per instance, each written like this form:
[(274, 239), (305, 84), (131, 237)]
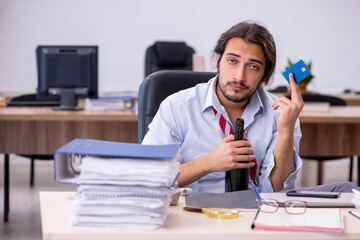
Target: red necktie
[(227, 130)]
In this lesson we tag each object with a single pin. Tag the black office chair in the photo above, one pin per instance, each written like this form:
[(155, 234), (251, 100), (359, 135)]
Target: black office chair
[(157, 86), (168, 56), (334, 101)]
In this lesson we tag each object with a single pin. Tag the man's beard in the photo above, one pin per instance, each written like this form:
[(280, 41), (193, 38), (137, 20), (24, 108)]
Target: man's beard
[(236, 99)]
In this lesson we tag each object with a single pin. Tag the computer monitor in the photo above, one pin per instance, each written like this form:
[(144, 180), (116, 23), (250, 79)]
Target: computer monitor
[(68, 73)]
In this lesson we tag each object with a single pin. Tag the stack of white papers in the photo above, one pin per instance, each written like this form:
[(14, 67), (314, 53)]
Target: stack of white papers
[(111, 103), (129, 193), (128, 171), (356, 199), (356, 202)]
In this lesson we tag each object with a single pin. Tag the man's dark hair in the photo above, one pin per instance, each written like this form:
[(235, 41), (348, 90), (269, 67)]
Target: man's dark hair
[(251, 33)]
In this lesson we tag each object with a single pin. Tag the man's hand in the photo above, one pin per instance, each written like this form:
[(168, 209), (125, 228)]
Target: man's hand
[(290, 108), (225, 157), (283, 150), (229, 152)]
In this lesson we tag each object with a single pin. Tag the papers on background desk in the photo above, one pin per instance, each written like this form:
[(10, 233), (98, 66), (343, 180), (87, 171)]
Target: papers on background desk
[(111, 103)]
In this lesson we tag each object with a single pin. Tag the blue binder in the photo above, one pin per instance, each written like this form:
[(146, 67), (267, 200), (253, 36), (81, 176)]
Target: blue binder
[(65, 172)]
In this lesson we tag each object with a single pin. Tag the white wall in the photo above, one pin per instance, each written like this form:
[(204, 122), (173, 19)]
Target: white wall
[(325, 31)]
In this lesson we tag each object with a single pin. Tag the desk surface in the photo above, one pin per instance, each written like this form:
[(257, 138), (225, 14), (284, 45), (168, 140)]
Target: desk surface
[(336, 114), (40, 130), (55, 218), (47, 114), (351, 99)]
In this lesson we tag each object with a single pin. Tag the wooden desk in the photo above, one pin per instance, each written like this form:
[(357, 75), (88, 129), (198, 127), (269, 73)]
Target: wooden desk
[(351, 99), (40, 131), (331, 134), (181, 225)]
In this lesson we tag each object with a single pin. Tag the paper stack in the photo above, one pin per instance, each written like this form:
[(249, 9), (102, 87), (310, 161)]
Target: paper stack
[(356, 202), (111, 103), (130, 188), (356, 199)]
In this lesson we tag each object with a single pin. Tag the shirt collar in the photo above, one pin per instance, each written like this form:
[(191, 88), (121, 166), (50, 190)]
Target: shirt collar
[(211, 99), (254, 107), (255, 104)]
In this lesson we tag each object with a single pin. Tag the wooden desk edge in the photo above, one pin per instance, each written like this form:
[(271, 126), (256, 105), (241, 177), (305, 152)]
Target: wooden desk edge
[(125, 116)]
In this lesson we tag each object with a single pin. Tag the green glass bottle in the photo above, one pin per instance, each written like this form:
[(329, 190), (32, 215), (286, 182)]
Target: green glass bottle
[(237, 179)]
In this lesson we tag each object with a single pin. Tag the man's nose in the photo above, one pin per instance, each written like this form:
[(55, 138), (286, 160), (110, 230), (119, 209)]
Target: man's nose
[(239, 74)]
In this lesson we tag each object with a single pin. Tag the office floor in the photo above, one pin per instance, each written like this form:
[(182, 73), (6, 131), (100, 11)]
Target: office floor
[(24, 218)]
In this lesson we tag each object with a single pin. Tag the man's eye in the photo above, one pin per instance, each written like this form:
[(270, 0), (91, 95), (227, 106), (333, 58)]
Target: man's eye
[(231, 61), (254, 67)]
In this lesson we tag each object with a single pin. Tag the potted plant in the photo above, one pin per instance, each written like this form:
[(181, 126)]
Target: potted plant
[(303, 84)]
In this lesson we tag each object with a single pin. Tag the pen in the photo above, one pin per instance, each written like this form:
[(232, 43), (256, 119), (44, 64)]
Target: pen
[(193, 209), (257, 195), (355, 214)]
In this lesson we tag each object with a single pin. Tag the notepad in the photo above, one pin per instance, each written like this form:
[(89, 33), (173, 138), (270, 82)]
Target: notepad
[(313, 220)]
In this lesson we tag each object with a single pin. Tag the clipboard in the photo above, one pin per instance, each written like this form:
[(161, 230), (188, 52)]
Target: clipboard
[(241, 200)]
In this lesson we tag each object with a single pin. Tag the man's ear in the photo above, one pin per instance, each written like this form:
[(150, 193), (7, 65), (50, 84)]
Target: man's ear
[(218, 58), (263, 80)]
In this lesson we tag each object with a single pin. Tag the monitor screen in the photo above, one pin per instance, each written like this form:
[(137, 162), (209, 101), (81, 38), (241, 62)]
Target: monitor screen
[(68, 73)]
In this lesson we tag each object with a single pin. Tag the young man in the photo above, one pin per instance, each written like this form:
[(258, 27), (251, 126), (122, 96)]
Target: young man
[(201, 118)]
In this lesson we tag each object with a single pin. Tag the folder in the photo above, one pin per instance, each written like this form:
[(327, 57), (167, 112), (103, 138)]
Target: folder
[(67, 166)]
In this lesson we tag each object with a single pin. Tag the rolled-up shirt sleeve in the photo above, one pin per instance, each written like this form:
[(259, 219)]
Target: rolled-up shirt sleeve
[(269, 163), (162, 129)]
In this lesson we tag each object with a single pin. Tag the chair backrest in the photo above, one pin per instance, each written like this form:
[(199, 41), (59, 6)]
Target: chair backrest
[(334, 101), (168, 56), (159, 85)]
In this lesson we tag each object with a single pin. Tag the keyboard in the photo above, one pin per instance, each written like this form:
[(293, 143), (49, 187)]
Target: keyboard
[(32, 100)]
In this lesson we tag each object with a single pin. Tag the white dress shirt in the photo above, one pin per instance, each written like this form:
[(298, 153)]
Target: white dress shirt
[(187, 117)]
